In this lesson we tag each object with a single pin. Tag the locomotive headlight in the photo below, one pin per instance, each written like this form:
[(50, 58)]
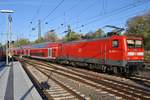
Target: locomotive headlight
[(140, 54), (130, 53)]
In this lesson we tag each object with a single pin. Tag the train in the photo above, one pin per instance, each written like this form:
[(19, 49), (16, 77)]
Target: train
[(117, 54)]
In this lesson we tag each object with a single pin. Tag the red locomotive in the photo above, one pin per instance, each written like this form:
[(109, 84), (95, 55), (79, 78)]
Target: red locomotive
[(119, 54)]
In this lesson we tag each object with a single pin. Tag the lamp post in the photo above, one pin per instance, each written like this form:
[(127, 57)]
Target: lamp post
[(8, 33)]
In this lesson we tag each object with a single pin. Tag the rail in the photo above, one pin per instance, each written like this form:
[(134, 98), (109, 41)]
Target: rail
[(123, 90)]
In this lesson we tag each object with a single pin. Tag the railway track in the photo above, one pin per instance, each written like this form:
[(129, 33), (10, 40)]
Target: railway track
[(57, 90), (117, 88), (144, 80), (146, 62), (44, 94)]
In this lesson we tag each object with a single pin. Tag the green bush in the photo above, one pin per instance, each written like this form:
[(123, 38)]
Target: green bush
[(147, 57)]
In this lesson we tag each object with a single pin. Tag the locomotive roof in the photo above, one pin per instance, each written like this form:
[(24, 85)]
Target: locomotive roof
[(88, 40), (139, 38), (105, 38)]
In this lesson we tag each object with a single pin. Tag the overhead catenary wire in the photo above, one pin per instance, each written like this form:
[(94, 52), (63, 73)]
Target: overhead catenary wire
[(82, 11), (110, 13), (53, 10), (37, 11), (68, 10), (104, 6), (117, 11), (125, 15), (35, 16), (56, 8), (104, 3), (74, 6)]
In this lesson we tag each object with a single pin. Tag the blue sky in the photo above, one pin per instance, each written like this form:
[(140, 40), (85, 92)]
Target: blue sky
[(93, 14)]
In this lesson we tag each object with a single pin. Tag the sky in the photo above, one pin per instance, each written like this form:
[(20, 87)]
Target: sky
[(82, 15)]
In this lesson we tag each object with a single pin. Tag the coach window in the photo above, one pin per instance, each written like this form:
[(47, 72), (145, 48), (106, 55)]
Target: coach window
[(115, 43)]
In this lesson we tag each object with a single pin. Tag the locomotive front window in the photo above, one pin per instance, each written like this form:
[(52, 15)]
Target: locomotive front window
[(138, 43), (134, 43), (115, 43)]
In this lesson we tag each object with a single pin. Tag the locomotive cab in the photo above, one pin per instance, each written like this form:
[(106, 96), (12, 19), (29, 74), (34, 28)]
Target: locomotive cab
[(126, 54), (135, 53)]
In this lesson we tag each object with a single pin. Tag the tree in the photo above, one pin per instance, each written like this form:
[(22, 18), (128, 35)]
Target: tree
[(40, 40), (88, 35), (140, 25), (97, 34), (51, 36), (21, 42), (93, 35), (71, 35)]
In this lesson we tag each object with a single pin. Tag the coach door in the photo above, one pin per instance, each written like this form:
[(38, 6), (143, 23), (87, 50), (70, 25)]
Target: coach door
[(49, 52), (28, 52)]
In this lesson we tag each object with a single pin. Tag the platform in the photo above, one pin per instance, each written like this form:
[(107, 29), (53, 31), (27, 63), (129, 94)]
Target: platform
[(15, 84)]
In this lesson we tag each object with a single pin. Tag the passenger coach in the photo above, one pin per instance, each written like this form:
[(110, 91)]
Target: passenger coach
[(46, 50)]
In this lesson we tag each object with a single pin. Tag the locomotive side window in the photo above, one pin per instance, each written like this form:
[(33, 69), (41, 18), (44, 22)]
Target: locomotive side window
[(115, 43)]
